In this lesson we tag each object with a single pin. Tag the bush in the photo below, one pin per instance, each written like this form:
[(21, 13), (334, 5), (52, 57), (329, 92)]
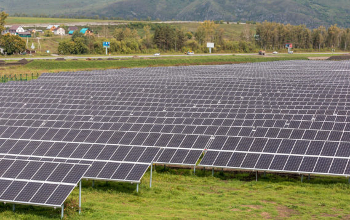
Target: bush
[(13, 44), (48, 33), (73, 47)]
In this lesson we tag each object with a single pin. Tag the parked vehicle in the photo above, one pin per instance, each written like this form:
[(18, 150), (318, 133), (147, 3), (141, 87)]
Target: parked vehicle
[(274, 52), (157, 54), (190, 53), (262, 52)]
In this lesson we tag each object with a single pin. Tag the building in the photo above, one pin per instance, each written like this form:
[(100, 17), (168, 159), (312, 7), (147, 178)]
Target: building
[(59, 31), (72, 28), (86, 31), (15, 29), (52, 27), (25, 34), (70, 32)]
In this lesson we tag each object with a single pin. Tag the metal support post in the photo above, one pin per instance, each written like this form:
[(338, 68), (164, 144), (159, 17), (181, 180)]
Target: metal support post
[(349, 180), (256, 176), (79, 197), (264, 173), (308, 178), (302, 176), (93, 183), (212, 171), (150, 179), (13, 207), (194, 170), (137, 188), (62, 211)]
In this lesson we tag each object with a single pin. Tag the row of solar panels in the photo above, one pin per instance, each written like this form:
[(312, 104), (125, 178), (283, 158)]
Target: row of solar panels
[(38, 183), (163, 125)]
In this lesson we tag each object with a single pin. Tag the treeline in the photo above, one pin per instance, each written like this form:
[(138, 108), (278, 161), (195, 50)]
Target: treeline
[(151, 38), (274, 36), (154, 37)]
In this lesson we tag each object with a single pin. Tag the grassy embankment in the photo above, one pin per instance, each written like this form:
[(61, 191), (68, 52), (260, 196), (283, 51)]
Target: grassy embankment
[(41, 66), (178, 194)]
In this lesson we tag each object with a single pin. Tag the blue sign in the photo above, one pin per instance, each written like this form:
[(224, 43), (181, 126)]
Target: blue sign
[(106, 44)]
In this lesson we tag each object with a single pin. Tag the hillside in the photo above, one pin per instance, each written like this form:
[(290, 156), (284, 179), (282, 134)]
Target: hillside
[(310, 12)]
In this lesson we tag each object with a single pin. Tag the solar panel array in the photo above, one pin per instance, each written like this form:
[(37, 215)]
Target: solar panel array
[(289, 116), (38, 183), (292, 117)]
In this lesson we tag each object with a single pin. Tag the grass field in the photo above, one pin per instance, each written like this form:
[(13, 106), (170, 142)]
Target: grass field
[(178, 194), (42, 66), (232, 31), (35, 20)]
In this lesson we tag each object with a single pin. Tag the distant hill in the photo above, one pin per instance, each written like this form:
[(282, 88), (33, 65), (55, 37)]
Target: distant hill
[(310, 12)]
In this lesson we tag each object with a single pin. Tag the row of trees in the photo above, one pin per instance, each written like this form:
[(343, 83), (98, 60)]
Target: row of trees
[(271, 35), (148, 38)]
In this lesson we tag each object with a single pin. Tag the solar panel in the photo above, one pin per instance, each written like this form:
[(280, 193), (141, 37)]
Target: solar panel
[(38, 183)]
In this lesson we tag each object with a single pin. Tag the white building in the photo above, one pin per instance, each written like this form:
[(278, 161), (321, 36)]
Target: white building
[(15, 29), (59, 31)]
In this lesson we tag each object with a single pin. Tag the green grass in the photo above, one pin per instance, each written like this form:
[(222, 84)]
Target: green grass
[(130, 63), (232, 31), (178, 194), (43, 66)]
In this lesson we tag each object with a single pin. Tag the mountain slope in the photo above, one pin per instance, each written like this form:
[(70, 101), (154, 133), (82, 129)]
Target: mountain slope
[(310, 12)]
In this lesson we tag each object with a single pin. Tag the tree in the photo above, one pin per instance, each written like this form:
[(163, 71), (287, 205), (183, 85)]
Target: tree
[(165, 37), (3, 17), (209, 29), (13, 44), (66, 47), (219, 38), (180, 39), (77, 34), (345, 39), (147, 38), (79, 46), (48, 33), (123, 34), (334, 34), (200, 35), (189, 35)]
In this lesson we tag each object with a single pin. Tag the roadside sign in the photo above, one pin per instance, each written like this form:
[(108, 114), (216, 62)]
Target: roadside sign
[(289, 45), (210, 45), (106, 44)]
